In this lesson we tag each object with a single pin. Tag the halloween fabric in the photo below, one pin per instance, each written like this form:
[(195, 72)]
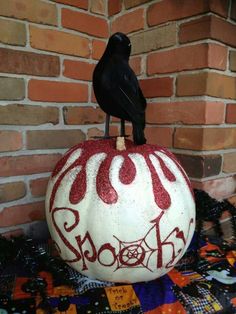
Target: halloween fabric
[(204, 283)]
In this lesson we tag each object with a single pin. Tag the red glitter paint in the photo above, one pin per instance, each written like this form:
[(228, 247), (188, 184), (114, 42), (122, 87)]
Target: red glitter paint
[(161, 196), (77, 194), (168, 174), (134, 254), (68, 229), (103, 184), (127, 172)]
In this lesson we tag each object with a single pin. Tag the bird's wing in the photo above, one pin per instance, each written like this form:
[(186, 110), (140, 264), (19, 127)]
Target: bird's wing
[(125, 88)]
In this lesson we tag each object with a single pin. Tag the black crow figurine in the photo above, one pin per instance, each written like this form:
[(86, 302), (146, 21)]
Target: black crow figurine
[(117, 89)]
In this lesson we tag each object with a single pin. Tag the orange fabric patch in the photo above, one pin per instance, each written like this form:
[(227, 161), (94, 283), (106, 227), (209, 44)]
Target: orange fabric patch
[(233, 301), (178, 278), (231, 257), (18, 293), (208, 248), (63, 291), (121, 297)]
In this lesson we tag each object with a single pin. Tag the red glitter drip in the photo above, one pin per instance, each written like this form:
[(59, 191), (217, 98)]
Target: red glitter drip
[(104, 188), (161, 196), (168, 174), (78, 188), (127, 171)]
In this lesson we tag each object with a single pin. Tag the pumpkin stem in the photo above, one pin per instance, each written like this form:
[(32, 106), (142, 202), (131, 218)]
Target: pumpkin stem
[(120, 143)]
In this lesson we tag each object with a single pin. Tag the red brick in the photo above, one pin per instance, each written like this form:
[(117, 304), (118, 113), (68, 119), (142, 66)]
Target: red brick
[(85, 23), (187, 138), (83, 115), (12, 191), (232, 61), (98, 6), (188, 112), (187, 58), (212, 84), (10, 141), (27, 164), (23, 62), (219, 7), (159, 135), (114, 7), (191, 84), (217, 56), (81, 4), (21, 214), (135, 64), (58, 41), (170, 10), (197, 29), (93, 132), (56, 91), (114, 130), (38, 186), (157, 87), (19, 114), (230, 113), (210, 27), (117, 120), (198, 166), (133, 3), (93, 98), (205, 138), (128, 22), (12, 88), (78, 70), (154, 39), (218, 188), (221, 86), (12, 33), (229, 164), (34, 11), (98, 48), (50, 139)]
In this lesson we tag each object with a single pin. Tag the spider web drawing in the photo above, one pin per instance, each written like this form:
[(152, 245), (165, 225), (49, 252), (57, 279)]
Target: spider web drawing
[(135, 254)]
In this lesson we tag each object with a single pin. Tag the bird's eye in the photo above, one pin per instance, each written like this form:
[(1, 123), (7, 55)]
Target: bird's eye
[(129, 44)]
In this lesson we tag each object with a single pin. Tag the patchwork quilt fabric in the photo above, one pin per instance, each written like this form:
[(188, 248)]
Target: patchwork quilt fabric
[(200, 283)]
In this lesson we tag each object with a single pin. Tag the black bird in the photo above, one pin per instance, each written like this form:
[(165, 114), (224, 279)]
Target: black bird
[(117, 89)]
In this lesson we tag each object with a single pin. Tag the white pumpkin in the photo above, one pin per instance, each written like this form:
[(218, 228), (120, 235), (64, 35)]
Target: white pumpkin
[(120, 216)]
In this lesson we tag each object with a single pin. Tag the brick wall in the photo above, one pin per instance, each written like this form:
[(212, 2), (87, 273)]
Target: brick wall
[(184, 53), (48, 50)]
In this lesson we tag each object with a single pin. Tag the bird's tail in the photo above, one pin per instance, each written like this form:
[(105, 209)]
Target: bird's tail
[(138, 134)]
